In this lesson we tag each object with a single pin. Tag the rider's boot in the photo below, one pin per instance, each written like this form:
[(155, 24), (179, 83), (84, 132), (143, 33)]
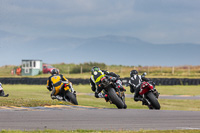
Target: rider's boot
[(59, 97)]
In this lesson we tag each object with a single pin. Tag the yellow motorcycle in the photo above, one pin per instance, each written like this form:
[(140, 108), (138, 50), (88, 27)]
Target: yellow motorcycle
[(65, 94)]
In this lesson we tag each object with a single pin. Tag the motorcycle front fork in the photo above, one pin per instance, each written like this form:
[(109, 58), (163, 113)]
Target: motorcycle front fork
[(145, 102)]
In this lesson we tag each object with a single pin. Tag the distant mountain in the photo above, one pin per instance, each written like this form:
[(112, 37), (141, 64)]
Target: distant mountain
[(133, 51), (119, 50)]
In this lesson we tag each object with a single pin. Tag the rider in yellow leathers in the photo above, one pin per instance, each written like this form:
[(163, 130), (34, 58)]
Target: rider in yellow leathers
[(56, 82)]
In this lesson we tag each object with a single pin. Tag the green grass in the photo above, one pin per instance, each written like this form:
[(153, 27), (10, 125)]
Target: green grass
[(166, 104), (38, 95), (179, 90), (27, 95), (96, 131), (163, 90)]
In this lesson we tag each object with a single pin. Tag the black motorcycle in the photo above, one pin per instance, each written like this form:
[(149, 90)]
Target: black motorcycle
[(114, 91)]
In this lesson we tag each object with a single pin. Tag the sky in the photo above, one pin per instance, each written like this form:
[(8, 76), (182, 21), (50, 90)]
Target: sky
[(154, 21)]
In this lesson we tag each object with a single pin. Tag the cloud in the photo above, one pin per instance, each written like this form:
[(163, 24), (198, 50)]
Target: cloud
[(157, 21), (37, 18)]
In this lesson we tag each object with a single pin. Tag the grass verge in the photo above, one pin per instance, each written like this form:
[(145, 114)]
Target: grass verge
[(38, 95)]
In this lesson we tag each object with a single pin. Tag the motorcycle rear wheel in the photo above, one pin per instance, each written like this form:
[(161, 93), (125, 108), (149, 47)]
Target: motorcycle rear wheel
[(71, 98), (154, 102), (115, 99)]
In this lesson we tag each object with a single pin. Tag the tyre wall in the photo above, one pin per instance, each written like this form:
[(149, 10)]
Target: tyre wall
[(171, 81), (43, 81), (37, 81)]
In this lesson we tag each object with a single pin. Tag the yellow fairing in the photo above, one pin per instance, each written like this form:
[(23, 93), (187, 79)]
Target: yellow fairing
[(57, 89), (66, 87)]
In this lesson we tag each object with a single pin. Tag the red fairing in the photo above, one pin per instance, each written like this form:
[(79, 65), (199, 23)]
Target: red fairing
[(151, 87), (145, 87)]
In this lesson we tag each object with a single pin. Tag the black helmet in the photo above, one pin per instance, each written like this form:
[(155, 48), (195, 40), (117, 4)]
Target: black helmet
[(133, 72), (95, 69), (54, 72)]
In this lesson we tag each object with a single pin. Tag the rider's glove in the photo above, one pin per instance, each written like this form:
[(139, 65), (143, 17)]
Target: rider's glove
[(49, 88)]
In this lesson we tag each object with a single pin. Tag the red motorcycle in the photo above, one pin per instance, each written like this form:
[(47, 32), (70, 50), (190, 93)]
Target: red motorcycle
[(150, 95)]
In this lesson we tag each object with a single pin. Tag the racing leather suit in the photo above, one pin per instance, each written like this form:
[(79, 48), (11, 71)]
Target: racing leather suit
[(56, 82), (95, 81), (135, 83)]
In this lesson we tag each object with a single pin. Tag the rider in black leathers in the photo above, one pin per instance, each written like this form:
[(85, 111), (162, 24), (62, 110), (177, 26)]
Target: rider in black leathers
[(135, 83), (95, 80)]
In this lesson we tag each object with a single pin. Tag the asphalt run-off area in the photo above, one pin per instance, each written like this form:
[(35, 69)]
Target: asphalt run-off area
[(69, 117)]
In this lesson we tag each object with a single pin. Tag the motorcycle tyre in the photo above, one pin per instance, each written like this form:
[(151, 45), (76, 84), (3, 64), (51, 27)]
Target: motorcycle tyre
[(115, 99), (125, 106), (153, 101), (71, 97)]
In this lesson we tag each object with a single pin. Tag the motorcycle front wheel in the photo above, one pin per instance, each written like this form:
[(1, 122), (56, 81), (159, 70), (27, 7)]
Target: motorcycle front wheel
[(115, 99), (154, 102)]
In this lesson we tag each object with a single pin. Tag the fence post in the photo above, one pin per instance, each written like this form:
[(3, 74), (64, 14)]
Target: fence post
[(173, 70), (189, 70)]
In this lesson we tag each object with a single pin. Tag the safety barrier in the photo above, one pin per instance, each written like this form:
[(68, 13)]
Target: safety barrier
[(43, 81), (171, 81)]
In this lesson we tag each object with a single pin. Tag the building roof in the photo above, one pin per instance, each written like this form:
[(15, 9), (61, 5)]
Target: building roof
[(30, 60)]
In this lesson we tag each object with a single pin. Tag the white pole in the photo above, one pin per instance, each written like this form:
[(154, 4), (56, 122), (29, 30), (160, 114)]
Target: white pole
[(189, 70), (173, 70)]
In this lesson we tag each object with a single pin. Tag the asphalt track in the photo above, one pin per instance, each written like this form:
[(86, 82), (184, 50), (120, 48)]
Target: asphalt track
[(65, 117)]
